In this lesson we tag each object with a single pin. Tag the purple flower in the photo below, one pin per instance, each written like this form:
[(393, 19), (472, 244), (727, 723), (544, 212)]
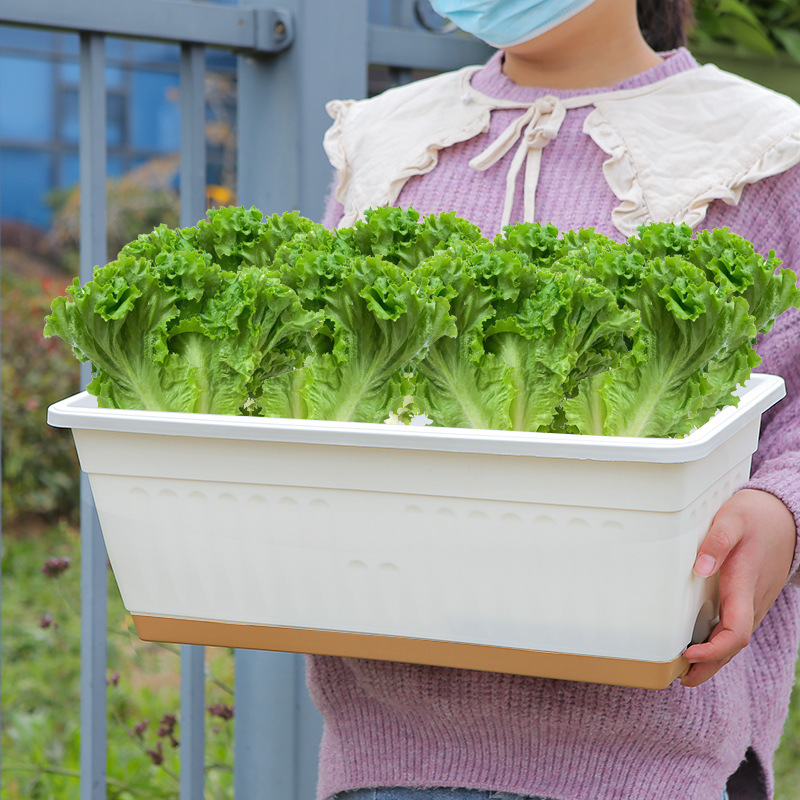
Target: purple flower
[(113, 680), (156, 755), (139, 728), (53, 567), (45, 620), (222, 710), (167, 725)]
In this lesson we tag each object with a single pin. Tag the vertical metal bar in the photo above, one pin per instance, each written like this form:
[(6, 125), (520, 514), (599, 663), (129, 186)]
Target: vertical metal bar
[(401, 16), (193, 137), (193, 204), (282, 166), (193, 694), (265, 727), (93, 251), (281, 109)]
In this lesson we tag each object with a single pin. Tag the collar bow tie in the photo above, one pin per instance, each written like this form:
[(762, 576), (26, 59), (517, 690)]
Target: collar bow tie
[(538, 125)]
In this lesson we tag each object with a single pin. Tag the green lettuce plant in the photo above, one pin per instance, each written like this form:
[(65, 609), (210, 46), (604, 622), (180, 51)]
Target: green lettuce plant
[(167, 328), (535, 331), (702, 300)]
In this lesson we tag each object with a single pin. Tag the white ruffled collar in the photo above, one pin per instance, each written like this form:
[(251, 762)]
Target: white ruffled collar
[(674, 145)]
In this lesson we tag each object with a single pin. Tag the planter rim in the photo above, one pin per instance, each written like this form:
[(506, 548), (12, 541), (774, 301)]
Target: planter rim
[(761, 391)]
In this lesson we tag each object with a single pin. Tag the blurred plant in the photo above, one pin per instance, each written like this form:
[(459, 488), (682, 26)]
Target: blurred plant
[(40, 736), (138, 201), (221, 127), (148, 195), (53, 567), (221, 710), (765, 27), (40, 469)]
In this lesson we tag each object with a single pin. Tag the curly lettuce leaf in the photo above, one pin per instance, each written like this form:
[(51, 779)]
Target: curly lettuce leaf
[(615, 266), (725, 373), (119, 323), (160, 240), (383, 232), (457, 384), (526, 337), (281, 396), (566, 328), (662, 239), (539, 244), (731, 263), (315, 242), (232, 237), (661, 389), (252, 330), (437, 232), (155, 346), (382, 319), (397, 235), (237, 237)]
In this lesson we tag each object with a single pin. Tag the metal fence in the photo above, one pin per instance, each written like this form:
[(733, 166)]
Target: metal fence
[(291, 60)]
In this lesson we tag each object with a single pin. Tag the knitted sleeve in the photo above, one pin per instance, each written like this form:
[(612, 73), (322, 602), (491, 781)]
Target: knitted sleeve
[(769, 215), (776, 464)]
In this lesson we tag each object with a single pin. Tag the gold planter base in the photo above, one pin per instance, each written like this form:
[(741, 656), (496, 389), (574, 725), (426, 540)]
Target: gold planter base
[(564, 666)]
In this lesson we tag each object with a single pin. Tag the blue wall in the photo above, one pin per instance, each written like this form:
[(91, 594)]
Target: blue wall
[(39, 109), (39, 124)]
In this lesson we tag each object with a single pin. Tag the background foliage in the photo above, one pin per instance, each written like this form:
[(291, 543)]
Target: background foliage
[(40, 470), (138, 201), (764, 27), (41, 645)]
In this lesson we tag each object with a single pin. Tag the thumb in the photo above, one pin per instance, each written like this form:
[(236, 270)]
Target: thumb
[(715, 548)]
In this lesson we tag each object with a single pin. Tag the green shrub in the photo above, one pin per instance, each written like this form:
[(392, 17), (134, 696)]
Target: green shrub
[(766, 27), (40, 468), (40, 737)]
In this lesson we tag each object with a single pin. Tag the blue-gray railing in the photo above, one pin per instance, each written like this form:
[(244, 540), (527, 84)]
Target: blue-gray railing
[(294, 55)]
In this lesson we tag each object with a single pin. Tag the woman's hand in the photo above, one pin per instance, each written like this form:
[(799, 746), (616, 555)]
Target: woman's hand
[(751, 543)]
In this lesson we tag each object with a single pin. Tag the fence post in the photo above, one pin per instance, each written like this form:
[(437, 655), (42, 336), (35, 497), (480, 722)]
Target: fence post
[(282, 167), (193, 207), (401, 16), (282, 117), (94, 590)]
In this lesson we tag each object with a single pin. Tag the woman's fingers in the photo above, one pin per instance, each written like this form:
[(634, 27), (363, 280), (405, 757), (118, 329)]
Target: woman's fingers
[(750, 544), (732, 633), (720, 540)]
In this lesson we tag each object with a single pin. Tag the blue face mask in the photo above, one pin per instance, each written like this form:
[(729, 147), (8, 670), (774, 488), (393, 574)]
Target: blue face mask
[(504, 23)]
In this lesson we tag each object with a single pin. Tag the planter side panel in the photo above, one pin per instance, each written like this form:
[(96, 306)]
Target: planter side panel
[(536, 575)]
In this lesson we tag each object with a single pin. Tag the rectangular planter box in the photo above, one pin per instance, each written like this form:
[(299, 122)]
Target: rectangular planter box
[(542, 554)]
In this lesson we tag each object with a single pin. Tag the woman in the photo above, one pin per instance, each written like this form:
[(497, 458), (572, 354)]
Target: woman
[(581, 121)]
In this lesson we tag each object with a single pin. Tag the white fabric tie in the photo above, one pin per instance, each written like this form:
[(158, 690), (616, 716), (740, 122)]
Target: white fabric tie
[(538, 125)]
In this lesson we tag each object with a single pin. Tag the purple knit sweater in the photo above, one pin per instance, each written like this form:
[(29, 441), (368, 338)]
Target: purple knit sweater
[(389, 724)]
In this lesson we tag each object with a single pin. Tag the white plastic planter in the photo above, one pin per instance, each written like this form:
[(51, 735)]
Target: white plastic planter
[(543, 554)]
